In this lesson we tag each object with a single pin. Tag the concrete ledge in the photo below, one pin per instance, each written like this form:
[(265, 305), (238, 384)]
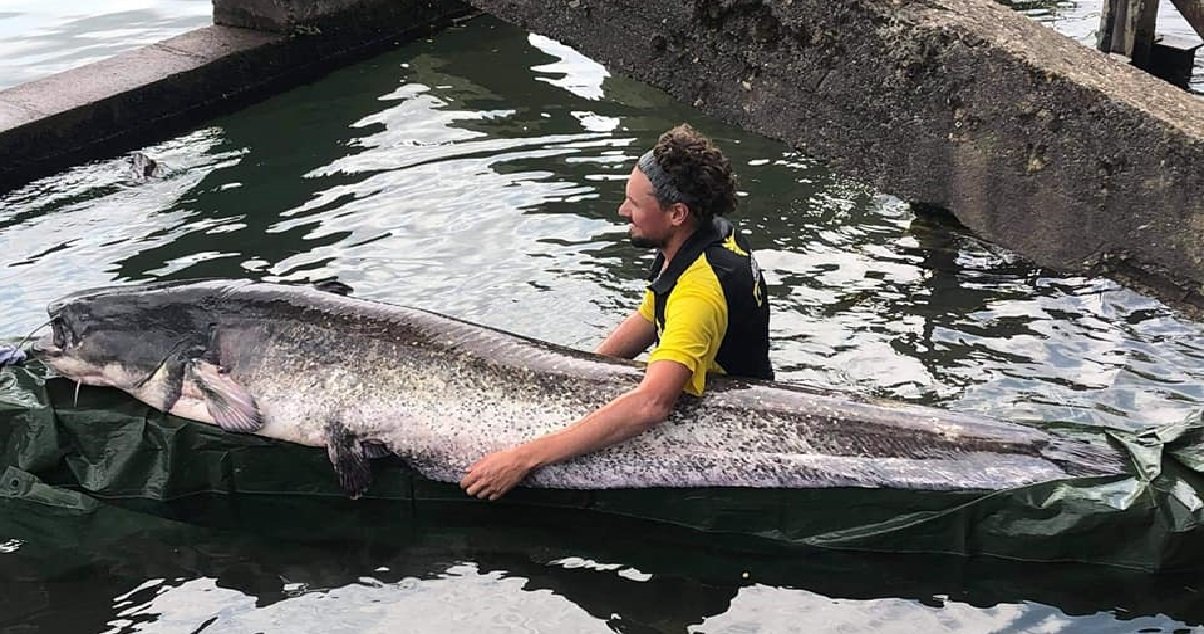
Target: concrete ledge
[(1033, 141), (143, 95), (310, 16)]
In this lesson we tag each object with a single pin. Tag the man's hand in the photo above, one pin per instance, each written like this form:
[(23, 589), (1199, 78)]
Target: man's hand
[(492, 476)]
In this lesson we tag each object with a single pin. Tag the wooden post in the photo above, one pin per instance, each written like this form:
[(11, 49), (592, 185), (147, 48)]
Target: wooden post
[(1193, 12), (1142, 16), (1127, 27), (1110, 38)]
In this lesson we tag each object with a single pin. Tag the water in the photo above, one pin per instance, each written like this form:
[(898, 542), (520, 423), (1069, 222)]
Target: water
[(477, 174), (160, 578)]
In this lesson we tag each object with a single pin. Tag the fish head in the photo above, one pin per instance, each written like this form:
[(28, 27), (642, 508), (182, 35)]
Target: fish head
[(121, 336)]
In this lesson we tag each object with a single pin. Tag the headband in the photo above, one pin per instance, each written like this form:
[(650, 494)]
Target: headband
[(662, 184)]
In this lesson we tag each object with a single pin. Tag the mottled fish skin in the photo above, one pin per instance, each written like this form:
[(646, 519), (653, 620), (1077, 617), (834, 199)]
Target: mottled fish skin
[(440, 393)]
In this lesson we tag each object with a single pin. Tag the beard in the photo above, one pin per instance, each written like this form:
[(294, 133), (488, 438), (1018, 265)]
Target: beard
[(645, 242)]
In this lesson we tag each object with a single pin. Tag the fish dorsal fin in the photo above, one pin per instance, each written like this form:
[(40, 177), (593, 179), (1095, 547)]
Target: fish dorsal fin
[(333, 286), (231, 406)]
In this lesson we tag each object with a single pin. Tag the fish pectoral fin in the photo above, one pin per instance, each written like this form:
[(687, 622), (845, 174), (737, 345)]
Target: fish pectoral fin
[(173, 382), (231, 406), (350, 457), (170, 376)]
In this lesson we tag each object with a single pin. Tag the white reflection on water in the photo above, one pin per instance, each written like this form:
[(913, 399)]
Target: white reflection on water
[(579, 74), (440, 211), (69, 232), (631, 574), (772, 610), (460, 600)]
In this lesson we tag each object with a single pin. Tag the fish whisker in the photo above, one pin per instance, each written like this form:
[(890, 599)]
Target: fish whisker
[(35, 331), (75, 401)]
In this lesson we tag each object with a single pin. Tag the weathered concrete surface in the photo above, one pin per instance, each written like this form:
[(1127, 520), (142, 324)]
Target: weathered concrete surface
[(1068, 156), (316, 16), (141, 96)]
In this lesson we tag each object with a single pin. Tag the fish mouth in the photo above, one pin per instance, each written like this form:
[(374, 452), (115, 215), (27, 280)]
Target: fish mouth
[(61, 360), (60, 337), (45, 347)]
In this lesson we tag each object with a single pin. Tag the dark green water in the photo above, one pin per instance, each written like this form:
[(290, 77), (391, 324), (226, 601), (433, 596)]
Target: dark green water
[(478, 174)]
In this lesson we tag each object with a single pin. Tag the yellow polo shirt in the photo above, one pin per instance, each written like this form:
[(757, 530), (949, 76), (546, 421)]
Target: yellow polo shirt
[(695, 323)]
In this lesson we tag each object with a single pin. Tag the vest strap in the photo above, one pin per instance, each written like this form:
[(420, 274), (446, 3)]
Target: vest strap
[(695, 245)]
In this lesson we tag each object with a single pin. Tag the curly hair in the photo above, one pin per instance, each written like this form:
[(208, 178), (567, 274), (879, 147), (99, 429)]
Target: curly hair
[(699, 174)]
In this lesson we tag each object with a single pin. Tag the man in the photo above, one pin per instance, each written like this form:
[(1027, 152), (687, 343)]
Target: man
[(706, 308)]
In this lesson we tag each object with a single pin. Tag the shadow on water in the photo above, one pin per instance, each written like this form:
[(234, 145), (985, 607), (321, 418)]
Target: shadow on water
[(631, 576)]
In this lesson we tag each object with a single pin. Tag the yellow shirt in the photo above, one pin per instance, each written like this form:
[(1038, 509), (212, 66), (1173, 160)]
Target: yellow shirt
[(695, 323)]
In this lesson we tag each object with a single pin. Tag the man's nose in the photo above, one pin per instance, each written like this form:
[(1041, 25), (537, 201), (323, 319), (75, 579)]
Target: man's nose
[(623, 212)]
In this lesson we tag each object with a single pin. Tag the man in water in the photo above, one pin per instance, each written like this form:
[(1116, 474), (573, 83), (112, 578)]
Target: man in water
[(706, 307)]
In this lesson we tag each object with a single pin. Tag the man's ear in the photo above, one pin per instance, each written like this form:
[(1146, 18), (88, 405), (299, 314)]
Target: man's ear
[(679, 213)]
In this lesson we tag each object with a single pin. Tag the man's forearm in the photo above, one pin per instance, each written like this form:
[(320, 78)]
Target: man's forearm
[(628, 415), (632, 337)]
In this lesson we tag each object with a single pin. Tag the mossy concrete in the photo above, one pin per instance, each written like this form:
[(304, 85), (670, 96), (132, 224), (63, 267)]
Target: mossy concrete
[(1069, 156)]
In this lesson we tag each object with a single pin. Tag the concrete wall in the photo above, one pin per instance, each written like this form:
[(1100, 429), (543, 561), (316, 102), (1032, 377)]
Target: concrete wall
[(142, 96), (1062, 153)]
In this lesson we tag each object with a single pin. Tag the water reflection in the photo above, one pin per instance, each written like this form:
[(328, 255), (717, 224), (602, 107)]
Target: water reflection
[(460, 599), (507, 571), (760, 608), (79, 228)]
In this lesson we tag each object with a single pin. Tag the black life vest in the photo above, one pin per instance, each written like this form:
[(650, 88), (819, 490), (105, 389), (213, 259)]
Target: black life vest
[(745, 347)]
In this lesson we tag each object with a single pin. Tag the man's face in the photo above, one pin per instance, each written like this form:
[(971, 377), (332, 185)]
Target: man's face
[(650, 223)]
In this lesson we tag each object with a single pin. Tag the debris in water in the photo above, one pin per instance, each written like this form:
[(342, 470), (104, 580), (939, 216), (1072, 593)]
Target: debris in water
[(144, 167)]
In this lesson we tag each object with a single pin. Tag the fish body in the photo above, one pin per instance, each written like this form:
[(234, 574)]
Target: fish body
[(365, 379)]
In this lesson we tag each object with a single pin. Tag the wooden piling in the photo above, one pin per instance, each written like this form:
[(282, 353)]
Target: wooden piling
[(1127, 27)]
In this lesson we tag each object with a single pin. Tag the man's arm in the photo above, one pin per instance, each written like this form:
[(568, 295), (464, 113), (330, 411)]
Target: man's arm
[(629, 339), (626, 416)]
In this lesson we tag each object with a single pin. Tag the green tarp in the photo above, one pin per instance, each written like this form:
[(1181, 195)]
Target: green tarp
[(74, 455)]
